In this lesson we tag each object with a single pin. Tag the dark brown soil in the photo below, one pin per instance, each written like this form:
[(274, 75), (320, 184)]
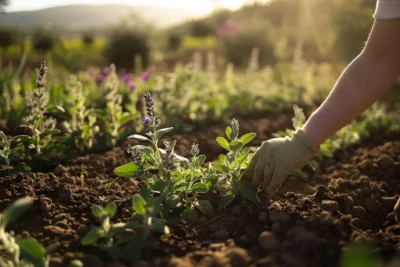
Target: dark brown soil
[(312, 219)]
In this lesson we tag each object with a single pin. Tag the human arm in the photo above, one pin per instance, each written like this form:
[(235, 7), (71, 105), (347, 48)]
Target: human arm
[(361, 84)]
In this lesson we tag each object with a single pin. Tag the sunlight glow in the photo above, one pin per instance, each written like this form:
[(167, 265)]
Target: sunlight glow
[(202, 6)]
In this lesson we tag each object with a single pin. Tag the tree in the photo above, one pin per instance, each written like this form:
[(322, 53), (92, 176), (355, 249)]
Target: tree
[(3, 3), (43, 40)]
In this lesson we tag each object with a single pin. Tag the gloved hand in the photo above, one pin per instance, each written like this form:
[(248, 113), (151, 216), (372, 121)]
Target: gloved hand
[(276, 158)]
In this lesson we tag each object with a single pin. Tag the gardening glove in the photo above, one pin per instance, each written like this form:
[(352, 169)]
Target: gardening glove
[(276, 158)]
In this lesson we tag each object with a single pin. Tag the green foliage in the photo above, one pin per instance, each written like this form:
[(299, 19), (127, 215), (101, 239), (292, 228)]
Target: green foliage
[(5, 148), (113, 116), (23, 252), (233, 165), (7, 38), (125, 241), (82, 127), (43, 40), (88, 39), (359, 256), (42, 142), (125, 42)]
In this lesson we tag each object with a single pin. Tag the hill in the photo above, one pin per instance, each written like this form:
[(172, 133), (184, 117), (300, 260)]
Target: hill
[(93, 17)]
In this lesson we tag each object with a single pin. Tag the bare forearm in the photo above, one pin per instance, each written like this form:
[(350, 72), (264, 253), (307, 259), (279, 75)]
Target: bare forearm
[(362, 83)]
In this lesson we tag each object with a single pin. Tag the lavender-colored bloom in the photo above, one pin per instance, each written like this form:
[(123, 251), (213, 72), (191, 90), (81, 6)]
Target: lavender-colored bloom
[(146, 120), (131, 85), (91, 72), (127, 77), (149, 103), (100, 79), (106, 71), (145, 76)]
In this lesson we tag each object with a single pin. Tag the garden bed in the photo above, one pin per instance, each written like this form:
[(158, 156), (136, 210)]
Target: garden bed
[(308, 223)]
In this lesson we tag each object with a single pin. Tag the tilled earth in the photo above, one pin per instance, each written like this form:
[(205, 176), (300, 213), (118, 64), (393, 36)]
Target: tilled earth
[(309, 222)]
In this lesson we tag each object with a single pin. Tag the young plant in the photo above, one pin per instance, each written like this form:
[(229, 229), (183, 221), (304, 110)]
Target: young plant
[(82, 127), (125, 241), (5, 148), (41, 142), (176, 180), (233, 165), (113, 116), (23, 252)]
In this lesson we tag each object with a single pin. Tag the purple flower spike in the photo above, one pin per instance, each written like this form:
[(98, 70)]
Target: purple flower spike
[(100, 79), (127, 77), (145, 76), (146, 120), (106, 71), (131, 85)]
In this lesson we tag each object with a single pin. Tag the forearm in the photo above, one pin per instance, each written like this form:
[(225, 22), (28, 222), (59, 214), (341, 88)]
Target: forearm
[(362, 83)]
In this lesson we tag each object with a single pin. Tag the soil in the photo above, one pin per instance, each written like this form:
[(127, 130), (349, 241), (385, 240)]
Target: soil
[(313, 218)]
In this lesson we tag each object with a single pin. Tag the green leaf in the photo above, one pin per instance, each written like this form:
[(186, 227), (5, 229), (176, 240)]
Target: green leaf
[(249, 192), (138, 204), (201, 159), (159, 227), (204, 206), (55, 108), (93, 236), (111, 209), (220, 167), (117, 228), (154, 206), (223, 142), (32, 247), (127, 170), (3, 138), (236, 145), (200, 188), (190, 215), (15, 210), (158, 186), (212, 180), (228, 132), (359, 255), (159, 133), (145, 191), (23, 138), (48, 132), (125, 118), (97, 211), (225, 201), (172, 202), (138, 137), (75, 263), (247, 138)]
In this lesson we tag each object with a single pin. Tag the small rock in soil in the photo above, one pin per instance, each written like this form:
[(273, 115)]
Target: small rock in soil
[(372, 205), (217, 246), (58, 261), (385, 162), (82, 230), (397, 211), (276, 227), (60, 170), (75, 263), (279, 216), (330, 205), (348, 202), (358, 212), (268, 241), (263, 217), (391, 217), (92, 260), (221, 234), (389, 202)]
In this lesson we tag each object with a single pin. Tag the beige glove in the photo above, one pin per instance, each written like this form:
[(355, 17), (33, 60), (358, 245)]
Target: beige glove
[(276, 158)]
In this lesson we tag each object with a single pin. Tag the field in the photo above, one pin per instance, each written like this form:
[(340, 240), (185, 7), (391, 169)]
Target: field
[(95, 175)]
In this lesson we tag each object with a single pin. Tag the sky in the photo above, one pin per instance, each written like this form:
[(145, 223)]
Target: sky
[(203, 6)]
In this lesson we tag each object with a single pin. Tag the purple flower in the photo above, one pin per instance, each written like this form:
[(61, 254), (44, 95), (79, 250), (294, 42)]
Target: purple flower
[(127, 77), (106, 71), (91, 72), (146, 120), (145, 76), (100, 79), (131, 85)]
